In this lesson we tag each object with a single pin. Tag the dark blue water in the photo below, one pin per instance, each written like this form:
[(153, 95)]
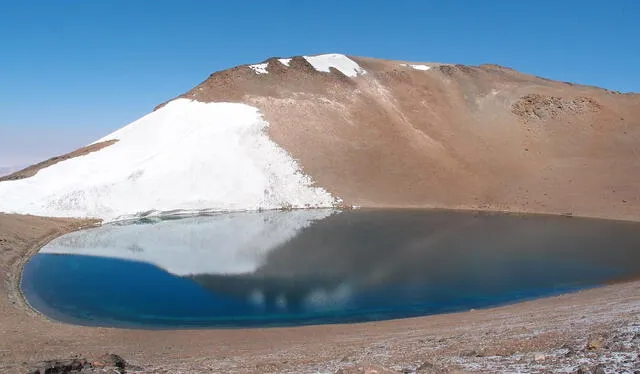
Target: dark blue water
[(292, 268)]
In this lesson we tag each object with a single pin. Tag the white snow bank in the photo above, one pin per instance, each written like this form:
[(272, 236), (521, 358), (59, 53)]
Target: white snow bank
[(340, 62), (285, 61), (418, 67), (187, 156), (260, 68), (230, 243), (421, 67)]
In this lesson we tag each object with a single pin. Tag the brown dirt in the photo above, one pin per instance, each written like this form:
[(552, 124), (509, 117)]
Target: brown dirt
[(34, 169), (558, 329), (469, 137)]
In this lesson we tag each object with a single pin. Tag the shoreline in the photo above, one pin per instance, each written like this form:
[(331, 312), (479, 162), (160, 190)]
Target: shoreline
[(145, 350), (16, 293), (15, 282), (512, 211)]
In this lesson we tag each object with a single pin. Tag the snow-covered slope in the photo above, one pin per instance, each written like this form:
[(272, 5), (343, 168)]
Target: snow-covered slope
[(231, 243), (186, 156), (340, 62)]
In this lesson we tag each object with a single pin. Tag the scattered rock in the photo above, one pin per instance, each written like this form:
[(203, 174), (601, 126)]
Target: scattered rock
[(582, 370), (110, 360), (106, 364), (425, 367), (599, 369), (59, 366), (470, 353), (570, 350), (366, 369)]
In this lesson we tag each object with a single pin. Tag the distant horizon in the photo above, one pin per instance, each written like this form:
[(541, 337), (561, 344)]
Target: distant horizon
[(92, 67)]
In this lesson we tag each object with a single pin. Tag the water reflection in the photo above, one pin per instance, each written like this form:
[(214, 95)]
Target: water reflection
[(215, 244), (312, 266)]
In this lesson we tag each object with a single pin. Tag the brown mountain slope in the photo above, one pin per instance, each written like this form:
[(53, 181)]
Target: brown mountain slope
[(453, 136)]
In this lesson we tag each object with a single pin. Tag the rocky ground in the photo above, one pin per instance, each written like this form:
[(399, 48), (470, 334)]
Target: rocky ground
[(593, 331)]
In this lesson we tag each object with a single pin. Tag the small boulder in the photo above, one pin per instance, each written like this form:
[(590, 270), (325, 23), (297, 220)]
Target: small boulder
[(110, 360), (599, 369), (469, 353), (426, 367), (594, 344), (59, 366), (539, 357)]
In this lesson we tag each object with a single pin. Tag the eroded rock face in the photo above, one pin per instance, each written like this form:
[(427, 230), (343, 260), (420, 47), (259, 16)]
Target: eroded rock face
[(539, 107)]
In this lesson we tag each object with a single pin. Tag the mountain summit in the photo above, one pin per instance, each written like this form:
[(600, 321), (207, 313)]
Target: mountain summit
[(328, 130)]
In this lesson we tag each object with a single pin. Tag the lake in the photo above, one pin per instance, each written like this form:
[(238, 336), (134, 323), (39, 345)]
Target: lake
[(275, 268)]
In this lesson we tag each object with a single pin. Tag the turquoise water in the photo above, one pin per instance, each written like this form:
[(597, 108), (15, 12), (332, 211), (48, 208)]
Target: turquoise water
[(314, 267)]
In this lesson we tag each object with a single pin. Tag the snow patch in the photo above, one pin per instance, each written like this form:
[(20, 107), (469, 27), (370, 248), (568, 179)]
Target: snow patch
[(340, 62), (421, 67), (186, 156), (418, 67), (229, 243), (260, 68), (284, 61)]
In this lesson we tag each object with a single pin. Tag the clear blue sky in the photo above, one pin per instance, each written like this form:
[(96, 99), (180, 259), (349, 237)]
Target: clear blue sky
[(72, 71)]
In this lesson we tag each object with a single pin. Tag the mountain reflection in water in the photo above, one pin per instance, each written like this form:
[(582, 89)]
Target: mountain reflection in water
[(320, 266)]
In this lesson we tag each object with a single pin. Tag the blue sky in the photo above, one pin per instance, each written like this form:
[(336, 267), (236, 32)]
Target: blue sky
[(72, 71)]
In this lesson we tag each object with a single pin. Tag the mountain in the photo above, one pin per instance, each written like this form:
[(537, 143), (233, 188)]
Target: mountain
[(330, 130)]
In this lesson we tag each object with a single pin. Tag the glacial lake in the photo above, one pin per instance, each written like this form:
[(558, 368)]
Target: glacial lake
[(302, 267)]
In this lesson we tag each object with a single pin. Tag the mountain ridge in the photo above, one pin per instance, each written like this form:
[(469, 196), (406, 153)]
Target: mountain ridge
[(407, 134)]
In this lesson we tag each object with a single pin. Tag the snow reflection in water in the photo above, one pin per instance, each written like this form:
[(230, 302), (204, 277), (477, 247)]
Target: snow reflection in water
[(320, 266)]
